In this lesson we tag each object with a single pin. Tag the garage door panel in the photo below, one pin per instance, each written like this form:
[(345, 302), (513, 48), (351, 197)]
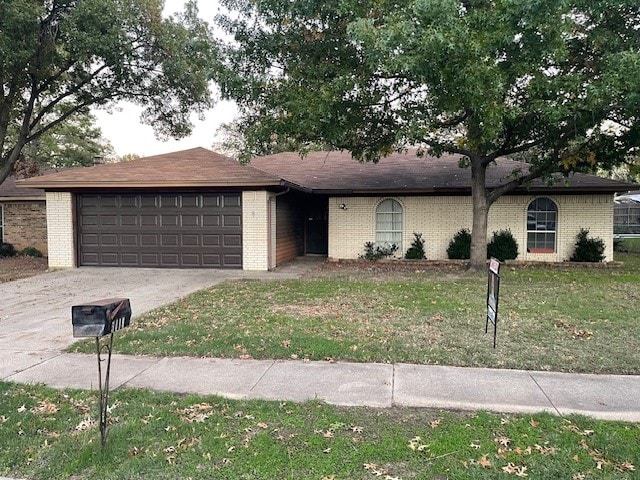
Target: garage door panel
[(232, 240), (129, 220), (211, 220), (211, 240), (172, 240), (129, 240), (148, 220), (169, 220), (149, 240), (89, 239), (109, 239), (231, 221), (160, 230)]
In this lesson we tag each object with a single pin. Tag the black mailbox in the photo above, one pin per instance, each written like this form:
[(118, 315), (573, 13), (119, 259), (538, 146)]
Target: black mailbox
[(100, 317)]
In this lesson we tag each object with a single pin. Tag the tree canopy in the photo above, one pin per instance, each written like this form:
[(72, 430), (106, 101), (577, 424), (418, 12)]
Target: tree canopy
[(554, 81), (58, 57)]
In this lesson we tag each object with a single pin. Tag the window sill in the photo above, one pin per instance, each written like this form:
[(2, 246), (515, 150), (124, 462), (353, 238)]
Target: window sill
[(541, 250)]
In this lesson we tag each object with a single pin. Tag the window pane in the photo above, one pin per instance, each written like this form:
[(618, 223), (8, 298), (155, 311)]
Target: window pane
[(389, 223), (541, 224)]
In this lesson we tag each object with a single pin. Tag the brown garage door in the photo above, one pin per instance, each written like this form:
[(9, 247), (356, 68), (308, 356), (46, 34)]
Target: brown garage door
[(160, 230)]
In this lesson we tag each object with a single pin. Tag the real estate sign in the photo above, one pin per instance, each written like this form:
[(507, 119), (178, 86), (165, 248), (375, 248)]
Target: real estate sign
[(493, 292)]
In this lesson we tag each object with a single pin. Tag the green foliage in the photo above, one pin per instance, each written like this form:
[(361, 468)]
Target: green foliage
[(59, 58), (503, 246), (377, 252), (7, 250), (460, 245), (588, 249), (479, 80), (31, 252), (416, 250)]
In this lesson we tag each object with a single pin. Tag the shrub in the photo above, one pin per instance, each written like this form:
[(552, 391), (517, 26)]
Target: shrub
[(502, 246), (587, 249), (373, 252), (416, 250), (31, 252), (460, 245), (7, 250)]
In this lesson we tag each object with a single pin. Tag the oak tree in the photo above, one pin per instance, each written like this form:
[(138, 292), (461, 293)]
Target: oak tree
[(59, 57), (556, 82)]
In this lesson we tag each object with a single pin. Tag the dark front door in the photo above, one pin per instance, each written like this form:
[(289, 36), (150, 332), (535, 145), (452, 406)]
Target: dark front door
[(160, 230), (317, 226)]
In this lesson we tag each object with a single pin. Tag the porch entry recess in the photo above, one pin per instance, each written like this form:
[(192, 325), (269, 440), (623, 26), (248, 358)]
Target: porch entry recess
[(169, 230)]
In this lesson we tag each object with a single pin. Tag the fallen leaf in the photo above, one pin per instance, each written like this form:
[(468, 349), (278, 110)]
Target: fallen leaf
[(475, 446), (484, 461), (534, 423), (434, 423), (626, 467)]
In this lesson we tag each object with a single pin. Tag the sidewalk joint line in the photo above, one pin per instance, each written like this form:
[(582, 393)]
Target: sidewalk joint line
[(33, 365), (545, 394), (124, 384), (262, 376)]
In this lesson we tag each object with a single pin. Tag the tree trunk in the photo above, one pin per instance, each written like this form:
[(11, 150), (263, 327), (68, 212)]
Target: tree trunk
[(480, 215)]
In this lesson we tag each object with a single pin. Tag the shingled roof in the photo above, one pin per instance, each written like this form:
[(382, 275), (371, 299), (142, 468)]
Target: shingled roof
[(197, 167), (339, 173), (10, 191), (318, 172)]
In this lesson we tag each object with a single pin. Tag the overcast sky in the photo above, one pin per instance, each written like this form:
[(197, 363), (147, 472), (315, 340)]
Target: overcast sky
[(128, 135)]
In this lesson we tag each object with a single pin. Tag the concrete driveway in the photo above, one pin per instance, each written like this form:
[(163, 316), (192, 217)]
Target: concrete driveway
[(35, 313)]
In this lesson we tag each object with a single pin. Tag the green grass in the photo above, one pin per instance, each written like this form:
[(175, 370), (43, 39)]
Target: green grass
[(574, 319), (49, 434)]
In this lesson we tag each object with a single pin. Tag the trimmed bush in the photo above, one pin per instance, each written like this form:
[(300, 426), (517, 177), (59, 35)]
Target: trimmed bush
[(371, 252), (7, 250), (416, 250), (460, 246), (588, 249), (31, 252), (502, 246)]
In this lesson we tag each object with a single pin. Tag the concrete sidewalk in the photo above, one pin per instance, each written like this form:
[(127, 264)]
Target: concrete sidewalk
[(609, 397)]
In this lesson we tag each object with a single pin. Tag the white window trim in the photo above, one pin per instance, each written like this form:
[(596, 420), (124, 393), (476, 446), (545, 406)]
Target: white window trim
[(555, 232), (401, 231)]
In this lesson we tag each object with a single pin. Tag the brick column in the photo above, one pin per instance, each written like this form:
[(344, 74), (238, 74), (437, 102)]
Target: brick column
[(60, 230)]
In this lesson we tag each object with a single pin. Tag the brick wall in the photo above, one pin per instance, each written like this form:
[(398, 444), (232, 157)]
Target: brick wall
[(60, 229), (258, 244), (25, 224), (439, 218)]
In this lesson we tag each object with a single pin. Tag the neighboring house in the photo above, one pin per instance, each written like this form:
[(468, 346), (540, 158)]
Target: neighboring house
[(196, 208), (626, 214), (23, 221)]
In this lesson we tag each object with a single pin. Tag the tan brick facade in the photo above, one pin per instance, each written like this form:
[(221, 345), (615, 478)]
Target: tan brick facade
[(60, 229), (25, 224), (439, 218), (258, 230)]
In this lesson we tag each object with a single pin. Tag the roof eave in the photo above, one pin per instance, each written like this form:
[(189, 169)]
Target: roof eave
[(62, 185)]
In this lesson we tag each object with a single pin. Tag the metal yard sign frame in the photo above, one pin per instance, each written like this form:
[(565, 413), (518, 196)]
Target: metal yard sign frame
[(493, 297)]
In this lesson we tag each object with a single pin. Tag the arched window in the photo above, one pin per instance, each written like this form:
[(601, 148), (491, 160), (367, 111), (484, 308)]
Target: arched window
[(389, 223), (542, 216)]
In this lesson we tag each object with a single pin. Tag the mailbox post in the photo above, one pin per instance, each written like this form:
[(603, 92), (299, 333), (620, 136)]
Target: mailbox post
[(98, 319)]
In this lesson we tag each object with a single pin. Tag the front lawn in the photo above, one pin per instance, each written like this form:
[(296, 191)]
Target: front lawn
[(49, 434), (573, 319)]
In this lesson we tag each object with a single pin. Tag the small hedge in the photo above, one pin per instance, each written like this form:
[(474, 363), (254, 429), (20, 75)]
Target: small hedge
[(460, 246), (7, 250), (503, 246), (588, 249), (416, 250), (31, 252), (373, 252)]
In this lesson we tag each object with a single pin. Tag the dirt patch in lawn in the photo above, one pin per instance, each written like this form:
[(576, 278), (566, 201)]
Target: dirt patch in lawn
[(15, 268)]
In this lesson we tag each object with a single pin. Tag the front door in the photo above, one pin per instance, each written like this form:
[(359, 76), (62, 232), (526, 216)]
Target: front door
[(317, 226)]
